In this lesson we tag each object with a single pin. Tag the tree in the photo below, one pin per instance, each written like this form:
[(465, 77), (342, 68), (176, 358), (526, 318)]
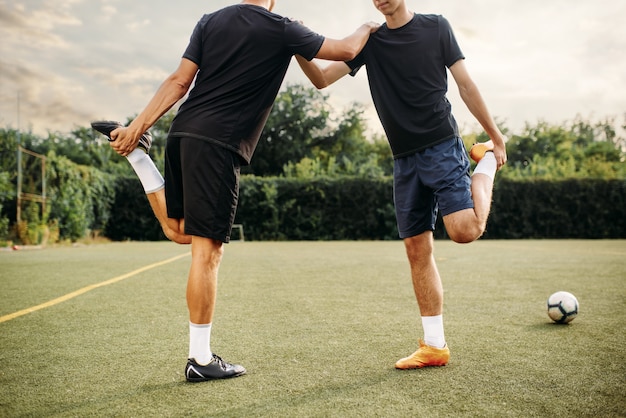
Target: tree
[(304, 136), (298, 122), (353, 152), (579, 149)]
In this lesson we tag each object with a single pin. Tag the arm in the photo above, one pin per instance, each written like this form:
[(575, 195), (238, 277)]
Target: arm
[(171, 91), (349, 47), (344, 50), (323, 77), (476, 105)]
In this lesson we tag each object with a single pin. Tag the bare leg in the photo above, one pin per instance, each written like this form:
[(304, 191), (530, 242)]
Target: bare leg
[(426, 280), (206, 256), (429, 294), (151, 180), (174, 229), (468, 225)]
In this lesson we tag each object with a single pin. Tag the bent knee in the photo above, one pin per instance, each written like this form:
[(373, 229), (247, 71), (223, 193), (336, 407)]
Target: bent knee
[(419, 247), (181, 239), (465, 235), (464, 226), (177, 237)]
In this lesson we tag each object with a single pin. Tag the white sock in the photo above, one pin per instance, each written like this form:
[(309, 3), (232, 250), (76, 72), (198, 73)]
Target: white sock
[(200, 343), (487, 165), (148, 174), (433, 331)]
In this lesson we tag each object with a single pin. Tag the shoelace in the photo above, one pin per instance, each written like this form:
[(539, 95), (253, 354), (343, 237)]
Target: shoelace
[(220, 362), (145, 142)]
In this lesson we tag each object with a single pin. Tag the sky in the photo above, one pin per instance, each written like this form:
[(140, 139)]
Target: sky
[(64, 63)]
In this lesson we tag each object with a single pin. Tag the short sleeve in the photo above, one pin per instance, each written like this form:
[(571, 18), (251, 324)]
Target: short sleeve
[(194, 49), (450, 48), (301, 40), (356, 64)]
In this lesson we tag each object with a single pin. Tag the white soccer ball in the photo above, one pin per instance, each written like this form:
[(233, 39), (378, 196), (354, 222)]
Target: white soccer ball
[(562, 307)]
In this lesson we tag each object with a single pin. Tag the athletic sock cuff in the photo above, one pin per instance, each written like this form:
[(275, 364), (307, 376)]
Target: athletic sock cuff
[(487, 166), (148, 174)]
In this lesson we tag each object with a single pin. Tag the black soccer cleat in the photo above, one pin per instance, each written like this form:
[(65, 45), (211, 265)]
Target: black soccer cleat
[(216, 369), (105, 127)]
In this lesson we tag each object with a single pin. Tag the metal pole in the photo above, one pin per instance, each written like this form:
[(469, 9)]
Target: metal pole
[(19, 164), (43, 188)]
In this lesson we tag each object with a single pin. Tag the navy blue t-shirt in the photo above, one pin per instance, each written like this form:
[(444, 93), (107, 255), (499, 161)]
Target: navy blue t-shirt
[(406, 69), (243, 52)]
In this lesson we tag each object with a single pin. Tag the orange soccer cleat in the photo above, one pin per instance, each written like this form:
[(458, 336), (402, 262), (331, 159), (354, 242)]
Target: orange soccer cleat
[(425, 356), (478, 151)]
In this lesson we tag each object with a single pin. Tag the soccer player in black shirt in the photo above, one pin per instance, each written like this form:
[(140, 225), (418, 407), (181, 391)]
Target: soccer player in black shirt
[(407, 61), (238, 57)]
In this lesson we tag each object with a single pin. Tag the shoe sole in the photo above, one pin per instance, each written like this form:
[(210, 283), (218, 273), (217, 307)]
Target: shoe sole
[(208, 379), (478, 151), (421, 366), (105, 127)]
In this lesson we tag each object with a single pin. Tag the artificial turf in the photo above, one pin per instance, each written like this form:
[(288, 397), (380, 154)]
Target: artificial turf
[(319, 326)]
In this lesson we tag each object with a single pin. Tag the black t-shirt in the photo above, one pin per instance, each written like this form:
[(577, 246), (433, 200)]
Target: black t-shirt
[(243, 53), (406, 69)]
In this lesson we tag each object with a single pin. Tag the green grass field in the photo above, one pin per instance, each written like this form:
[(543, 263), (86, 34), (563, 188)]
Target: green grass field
[(319, 326)]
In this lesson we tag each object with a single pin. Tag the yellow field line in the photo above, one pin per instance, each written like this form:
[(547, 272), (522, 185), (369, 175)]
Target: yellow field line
[(88, 289)]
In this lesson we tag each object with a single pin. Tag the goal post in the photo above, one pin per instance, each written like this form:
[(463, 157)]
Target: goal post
[(38, 195)]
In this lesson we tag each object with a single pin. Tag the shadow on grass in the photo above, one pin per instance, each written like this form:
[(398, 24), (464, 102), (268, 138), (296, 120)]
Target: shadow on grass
[(108, 404), (550, 326), (167, 397), (344, 396)]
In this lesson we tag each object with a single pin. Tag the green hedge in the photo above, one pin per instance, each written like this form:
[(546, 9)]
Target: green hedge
[(582, 208), (320, 209), (362, 209), (131, 217), (80, 197)]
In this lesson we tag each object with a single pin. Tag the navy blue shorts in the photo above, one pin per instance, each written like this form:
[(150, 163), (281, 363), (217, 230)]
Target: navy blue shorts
[(202, 186), (436, 178)]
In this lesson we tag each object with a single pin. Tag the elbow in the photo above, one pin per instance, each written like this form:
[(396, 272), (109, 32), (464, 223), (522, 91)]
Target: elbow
[(318, 79), (320, 84), (345, 51), (349, 54), (183, 87), (180, 84)]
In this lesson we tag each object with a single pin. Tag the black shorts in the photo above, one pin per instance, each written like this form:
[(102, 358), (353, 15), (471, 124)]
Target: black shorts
[(202, 186)]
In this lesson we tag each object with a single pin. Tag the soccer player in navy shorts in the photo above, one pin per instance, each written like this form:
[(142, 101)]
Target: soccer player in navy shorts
[(407, 61)]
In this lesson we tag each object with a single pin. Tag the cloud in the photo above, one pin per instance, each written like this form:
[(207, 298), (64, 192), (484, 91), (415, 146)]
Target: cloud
[(43, 17), (137, 25), (108, 12), (12, 18), (119, 78), (21, 26), (531, 60), (36, 66), (42, 101), (55, 13)]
